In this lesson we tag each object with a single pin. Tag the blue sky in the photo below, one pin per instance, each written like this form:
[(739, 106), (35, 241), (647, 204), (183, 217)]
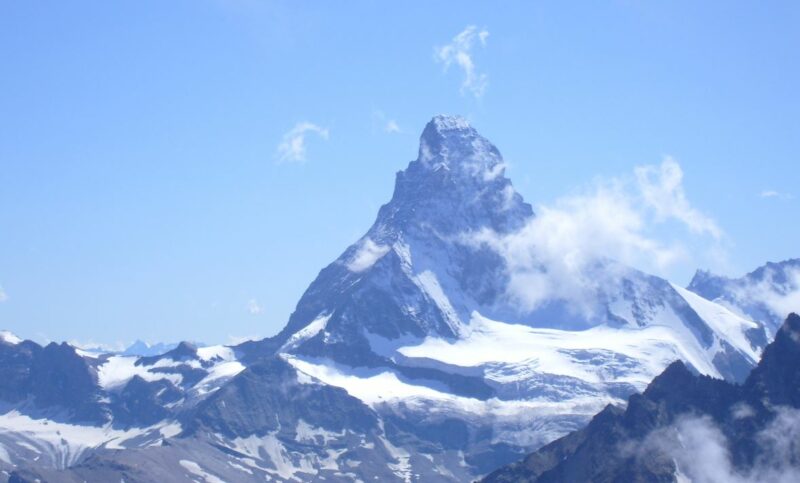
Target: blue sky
[(145, 192)]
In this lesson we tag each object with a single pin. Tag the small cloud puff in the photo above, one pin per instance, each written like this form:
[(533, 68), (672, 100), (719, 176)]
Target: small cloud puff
[(254, 308), (3, 295), (459, 52), (391, 126), (776, 195), (381, 121), (292, 148)]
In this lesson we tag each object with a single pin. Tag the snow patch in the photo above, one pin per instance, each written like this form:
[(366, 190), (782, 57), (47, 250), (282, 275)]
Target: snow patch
[(64, 444), (215, 352), (307, 332), (118, 370), (731, 327), (269, 447), (311, 434), (196, 470), (9, 337), (429, 284)]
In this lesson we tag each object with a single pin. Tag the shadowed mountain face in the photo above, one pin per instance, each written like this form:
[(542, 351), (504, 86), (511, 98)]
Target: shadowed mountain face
[(688, 426), (405, 359)]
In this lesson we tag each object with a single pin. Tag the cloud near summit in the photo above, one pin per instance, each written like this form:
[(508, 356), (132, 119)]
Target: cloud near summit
[(459, 52), (552, 256)]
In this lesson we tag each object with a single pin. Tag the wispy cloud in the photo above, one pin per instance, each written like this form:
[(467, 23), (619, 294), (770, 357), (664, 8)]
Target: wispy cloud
[(778, 291), (662, 189), (293, 146), (554, 255), (776, 194), (254, 308), (3, 295), (380, 121), (391, 126), (459, 52)]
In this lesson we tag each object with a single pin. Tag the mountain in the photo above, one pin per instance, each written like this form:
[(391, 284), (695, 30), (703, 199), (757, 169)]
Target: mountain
[(60, 402), (409, 357), (141, 348), (767, 294), (687, 427)]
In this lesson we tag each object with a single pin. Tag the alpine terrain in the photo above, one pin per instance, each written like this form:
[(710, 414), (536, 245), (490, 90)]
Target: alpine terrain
[(686, 427), (409, 358), (767, 293)]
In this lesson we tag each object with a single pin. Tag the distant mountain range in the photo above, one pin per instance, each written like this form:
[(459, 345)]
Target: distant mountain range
[(407, 358), (141, 348)]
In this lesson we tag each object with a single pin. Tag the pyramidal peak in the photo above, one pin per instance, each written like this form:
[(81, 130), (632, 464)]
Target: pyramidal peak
[(457, 183), (450, 142)]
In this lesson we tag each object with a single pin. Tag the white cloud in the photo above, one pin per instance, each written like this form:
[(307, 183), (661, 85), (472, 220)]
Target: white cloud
[(776, 194), (3, 295), (779, 292), (254, 308), (662, 189), (391, 126), (293, 146), (459, 52), (367, 254), (701, 451), (382, 122), (555, 256)]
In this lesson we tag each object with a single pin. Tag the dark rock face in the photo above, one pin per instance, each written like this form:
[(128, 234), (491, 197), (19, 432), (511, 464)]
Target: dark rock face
[(15, 370), (60, 377), (608, 449), (268, 397), (144, 403), (51, 377)]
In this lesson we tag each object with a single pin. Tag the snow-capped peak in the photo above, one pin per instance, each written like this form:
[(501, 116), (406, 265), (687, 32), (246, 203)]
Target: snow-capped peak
[(9, 337), (456, 184), (444, 122), (449, 142)]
